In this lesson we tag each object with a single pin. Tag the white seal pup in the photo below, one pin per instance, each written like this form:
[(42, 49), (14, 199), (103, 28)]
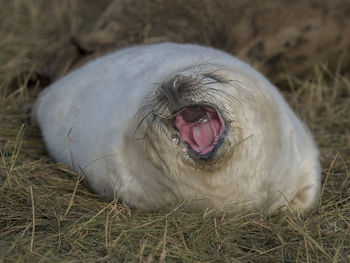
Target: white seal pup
[(158, 124)]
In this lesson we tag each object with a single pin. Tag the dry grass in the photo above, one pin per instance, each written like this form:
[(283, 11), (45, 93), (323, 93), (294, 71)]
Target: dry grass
[(47, 214)]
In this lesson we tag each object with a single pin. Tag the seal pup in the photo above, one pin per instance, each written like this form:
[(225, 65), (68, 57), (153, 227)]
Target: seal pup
[(158, 124)]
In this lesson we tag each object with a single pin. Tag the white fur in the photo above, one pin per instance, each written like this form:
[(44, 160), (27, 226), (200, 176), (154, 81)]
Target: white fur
[(87, 119)]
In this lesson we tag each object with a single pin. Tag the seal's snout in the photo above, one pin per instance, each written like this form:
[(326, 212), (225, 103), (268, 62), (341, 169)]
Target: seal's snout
[(200, 127), (189, 101), (177, 92)]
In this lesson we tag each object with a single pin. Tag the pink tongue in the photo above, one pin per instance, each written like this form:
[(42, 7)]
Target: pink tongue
[(203, 134)]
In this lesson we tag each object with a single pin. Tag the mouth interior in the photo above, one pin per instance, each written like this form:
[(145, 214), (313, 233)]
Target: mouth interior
[(200, 127)]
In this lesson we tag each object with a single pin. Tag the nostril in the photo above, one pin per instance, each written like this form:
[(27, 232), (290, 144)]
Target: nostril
[(181, 87)]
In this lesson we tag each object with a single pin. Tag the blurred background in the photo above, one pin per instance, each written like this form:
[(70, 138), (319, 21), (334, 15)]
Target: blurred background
[(276, 37)]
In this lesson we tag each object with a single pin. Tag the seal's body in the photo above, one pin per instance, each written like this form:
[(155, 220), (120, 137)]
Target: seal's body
[(159, 124)]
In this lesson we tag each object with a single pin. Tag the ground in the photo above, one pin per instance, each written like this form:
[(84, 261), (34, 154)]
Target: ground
[(47, 213)]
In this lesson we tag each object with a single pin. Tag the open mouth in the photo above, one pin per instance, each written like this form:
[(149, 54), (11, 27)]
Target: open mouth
[(200, 127)]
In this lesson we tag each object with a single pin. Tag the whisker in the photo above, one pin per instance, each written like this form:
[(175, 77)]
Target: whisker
[(168, 117)]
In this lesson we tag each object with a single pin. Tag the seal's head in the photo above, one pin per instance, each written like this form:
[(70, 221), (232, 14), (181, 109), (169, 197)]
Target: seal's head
[(190, 114)]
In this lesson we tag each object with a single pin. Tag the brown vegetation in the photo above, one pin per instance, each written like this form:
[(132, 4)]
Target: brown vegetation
[(47, 214)]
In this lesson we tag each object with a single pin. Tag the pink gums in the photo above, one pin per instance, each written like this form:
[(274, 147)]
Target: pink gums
[(200, 127)]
